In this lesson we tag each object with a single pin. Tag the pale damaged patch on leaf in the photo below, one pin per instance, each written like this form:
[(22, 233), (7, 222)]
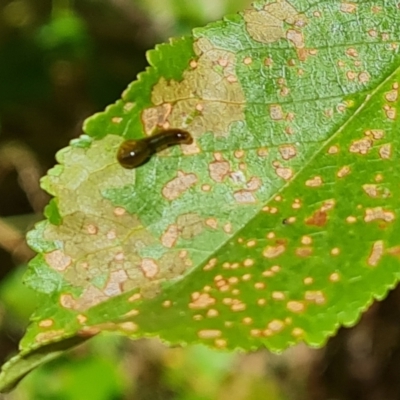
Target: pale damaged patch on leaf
[(99, 245), (269, 24), (208, 99)]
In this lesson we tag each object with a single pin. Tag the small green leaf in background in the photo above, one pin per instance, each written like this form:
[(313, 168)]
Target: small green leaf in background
[(276, 226)]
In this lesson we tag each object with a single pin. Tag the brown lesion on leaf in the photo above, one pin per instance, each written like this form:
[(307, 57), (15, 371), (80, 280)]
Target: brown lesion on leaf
[(58, 260), (208, 98), (297, 39), (49, 336), (156, 117), (251, 243), (128, 107), (333, 150), (128, 326), (209, 334), (116, 120), (378, 178), (393, 94), (364, 77), (364, 145), (297, 333), (91, 229), (244, 197), (297, 204), (351, 75), (82, 319), (379, 214), (149, 268), (167, 303), (328, 205), (219, 169), (247, 60), (390, 112), (187, 226), (253, 184), (170, 236), (288, 151), (344, 171), (174, 264), (394, 251), (348, 7), (371, 190), (352, 52), (132, 313), (296, 307), (289, 130), (90, 297), (305, 251), (308, 280), (273, 251), (206, 188), (334, 277), (276, 112), (238, 306), (319, 218), (210, 264), (283, 172), (385, 151), (275, 326), (46, 323), (259, 285), (114, 283), (278, 295), (315, 296), (262, 152), (351, 219), (135, 297), (306, 240), (212, 223), (314, 182), (179, 185), (190, 225), (119, 211), (200, 301), (267, 25), (375, 134), (212, 313), (190, 149), (376, 253)]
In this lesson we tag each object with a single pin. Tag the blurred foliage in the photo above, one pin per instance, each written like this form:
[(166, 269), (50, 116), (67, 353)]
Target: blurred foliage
[(63, 60), (178, 17)]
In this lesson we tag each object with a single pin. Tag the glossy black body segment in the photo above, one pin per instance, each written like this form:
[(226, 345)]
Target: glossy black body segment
[(134, 153)]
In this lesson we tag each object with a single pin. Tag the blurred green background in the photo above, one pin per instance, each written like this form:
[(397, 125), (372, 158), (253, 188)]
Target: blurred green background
[(61, 61)]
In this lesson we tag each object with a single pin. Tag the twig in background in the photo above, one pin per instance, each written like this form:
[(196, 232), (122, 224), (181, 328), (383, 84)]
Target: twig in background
[(17, 156)]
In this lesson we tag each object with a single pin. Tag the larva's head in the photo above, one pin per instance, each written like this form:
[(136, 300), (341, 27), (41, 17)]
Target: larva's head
[(133, 153)]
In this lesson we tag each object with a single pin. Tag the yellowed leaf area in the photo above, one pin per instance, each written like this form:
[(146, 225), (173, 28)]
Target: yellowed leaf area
[(99, 244), (210, 98)]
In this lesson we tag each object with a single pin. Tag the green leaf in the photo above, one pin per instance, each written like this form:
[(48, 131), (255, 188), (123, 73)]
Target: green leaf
[(278, 225)]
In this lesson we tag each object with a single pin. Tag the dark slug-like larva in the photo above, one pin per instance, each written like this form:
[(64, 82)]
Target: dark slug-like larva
[(133, 153)]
